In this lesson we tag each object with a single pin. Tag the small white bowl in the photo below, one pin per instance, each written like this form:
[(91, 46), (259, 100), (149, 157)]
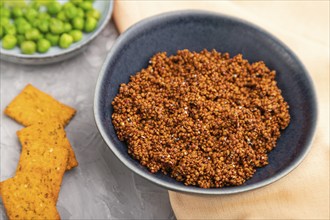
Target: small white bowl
[(56, 54)]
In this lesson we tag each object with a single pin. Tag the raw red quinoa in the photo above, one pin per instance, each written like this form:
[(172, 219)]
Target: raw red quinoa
[(203, 118)]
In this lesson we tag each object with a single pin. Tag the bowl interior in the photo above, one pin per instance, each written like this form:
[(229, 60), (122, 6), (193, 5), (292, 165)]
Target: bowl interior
[(195, 31)]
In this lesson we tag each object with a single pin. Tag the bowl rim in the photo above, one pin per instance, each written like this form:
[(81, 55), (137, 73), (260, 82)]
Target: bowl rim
[(191, 189), (68, 50)]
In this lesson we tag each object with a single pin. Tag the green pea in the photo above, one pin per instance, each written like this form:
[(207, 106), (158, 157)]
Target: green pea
[(43, 45), (54, 7), (20, 39), (78, 23), (36, 5), (76, 35), (32, 34), (67, 27), (31, 14), (10, 29), (17, 12), (90, 24), (35, 23), (71, 12), (9, 42), (80, 13), (76, 2), (44, 16), (86, 5), (65, 40), (4, 21), (20, 20), (5, 12), (94, 14), (56, 26), (28, 47), (43, 26), (67, 5), (22, 28), (1, 32), (61, 16), (53, 39)]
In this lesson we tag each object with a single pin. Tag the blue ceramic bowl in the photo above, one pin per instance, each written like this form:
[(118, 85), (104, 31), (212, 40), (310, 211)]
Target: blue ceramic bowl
[(196, 30)]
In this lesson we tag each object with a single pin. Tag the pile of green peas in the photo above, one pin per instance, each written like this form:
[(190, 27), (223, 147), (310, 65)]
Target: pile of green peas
[(40, 24)]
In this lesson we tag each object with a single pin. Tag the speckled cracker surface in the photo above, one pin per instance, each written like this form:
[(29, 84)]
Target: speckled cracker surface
[(51, 162), (27, 197), (48, 136), (32, 106)]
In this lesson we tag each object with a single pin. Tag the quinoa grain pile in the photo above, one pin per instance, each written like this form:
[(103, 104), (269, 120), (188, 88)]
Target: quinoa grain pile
[(203, 118)]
